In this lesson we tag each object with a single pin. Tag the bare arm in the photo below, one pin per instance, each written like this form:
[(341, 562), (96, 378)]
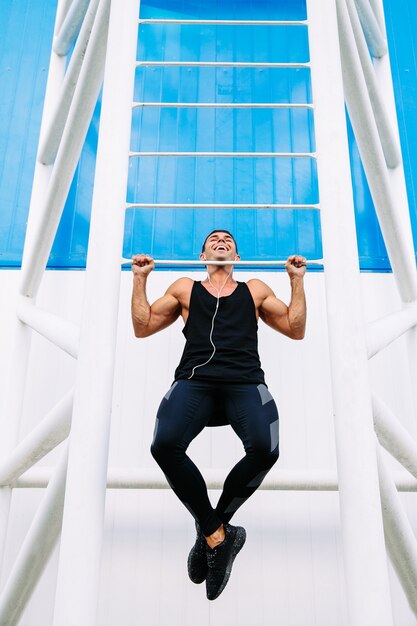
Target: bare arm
[(148, 319), (289, 320)]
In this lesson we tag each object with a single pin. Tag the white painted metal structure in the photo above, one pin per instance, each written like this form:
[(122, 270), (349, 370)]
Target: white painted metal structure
[(363, 422)]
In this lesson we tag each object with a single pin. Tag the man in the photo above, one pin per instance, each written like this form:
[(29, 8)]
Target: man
[(219, 381)]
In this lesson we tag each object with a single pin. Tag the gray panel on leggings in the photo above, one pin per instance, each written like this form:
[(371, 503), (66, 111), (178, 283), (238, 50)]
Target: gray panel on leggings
[(155, 430), (274, 434), (255, 482), (170, 390), (235, 504), (265, 394)]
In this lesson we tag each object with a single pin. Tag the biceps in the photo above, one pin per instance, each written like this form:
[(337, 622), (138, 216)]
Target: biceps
[(274, 312)]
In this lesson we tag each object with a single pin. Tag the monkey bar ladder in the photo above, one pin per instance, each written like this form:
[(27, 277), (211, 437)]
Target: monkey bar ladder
[(105, 31)]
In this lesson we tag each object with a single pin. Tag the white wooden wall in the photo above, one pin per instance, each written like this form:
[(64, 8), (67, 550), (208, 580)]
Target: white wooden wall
[(290, 571)]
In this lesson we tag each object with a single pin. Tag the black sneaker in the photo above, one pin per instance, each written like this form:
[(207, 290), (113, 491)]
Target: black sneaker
[(220, 560), (197, 559)]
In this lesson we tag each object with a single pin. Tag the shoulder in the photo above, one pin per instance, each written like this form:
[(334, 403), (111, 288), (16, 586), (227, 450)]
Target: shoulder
[(180, 287), (258, 288)]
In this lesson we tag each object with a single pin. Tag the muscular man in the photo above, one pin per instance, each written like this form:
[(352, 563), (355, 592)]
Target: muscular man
[(218, 381)]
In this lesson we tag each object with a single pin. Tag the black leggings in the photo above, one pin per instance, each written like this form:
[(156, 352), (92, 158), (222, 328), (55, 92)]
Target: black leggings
[(184, 412)]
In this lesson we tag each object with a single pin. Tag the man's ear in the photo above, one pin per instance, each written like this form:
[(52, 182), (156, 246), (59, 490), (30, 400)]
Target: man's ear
[(237, 258), (203, 257)]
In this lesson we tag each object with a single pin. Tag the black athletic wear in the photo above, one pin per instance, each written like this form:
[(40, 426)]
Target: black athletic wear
[(230, 389), (184, 412), (235, 336)]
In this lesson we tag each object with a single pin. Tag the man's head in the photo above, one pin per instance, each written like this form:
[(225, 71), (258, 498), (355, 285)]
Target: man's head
[(219, 245)]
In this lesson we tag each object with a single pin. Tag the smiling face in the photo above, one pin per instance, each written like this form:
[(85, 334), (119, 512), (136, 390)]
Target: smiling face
[(219, 246)]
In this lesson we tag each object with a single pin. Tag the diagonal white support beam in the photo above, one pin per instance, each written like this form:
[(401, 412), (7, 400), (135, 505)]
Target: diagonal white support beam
[(53, 133), (388, 139), (62, 333), (400, 540), (382, 332), (50, 432), (63, 11), (394, 229), (379, 14), (17, 370), (398, 184), (70, 27), (81, 111), (36, 549), (393, 436), (371, 28)]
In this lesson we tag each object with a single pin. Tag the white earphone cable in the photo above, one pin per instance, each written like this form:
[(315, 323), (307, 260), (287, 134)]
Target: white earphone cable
[(219, 292)]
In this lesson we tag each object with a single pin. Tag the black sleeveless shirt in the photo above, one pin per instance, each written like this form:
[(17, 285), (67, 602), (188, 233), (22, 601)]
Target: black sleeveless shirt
[(235, 336)]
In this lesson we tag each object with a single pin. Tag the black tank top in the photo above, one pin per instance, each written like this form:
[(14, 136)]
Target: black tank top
[(235, 336)]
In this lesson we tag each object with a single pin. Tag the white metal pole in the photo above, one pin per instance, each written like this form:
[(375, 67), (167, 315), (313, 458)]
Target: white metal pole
[(400, 539), (378, 11), (53, 134), (36, 548), (251, 155), (222, 105), (389, 141), (393, 436), (198, 205), (371, 29), (79, 117), (63, 12), (187, 22), (148, 478), (397, 181), (80, 555), (70, 27), (363, 539), (220, 64), (50, 432), (395, 231), (380, 333), (17, 370), (60, 332), (198, 263)]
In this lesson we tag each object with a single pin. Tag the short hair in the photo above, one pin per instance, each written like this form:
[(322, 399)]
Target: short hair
[(219, 230)]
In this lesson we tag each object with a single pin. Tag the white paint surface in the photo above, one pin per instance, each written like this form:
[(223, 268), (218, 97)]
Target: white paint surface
[(290, 571)]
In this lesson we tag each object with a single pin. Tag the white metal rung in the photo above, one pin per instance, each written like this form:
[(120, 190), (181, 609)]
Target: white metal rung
[(225, 105), (220, 64), (292, 155), (156, 205), (278, 263), (228, 22)]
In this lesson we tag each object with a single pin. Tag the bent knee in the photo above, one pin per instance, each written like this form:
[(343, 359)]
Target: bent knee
[(272, 457), (163, 449), (265, 457)]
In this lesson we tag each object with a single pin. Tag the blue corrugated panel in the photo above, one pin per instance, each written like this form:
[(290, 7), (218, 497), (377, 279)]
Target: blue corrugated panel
[(401, 21), (25, 40), (178, 234), (261, 234)]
